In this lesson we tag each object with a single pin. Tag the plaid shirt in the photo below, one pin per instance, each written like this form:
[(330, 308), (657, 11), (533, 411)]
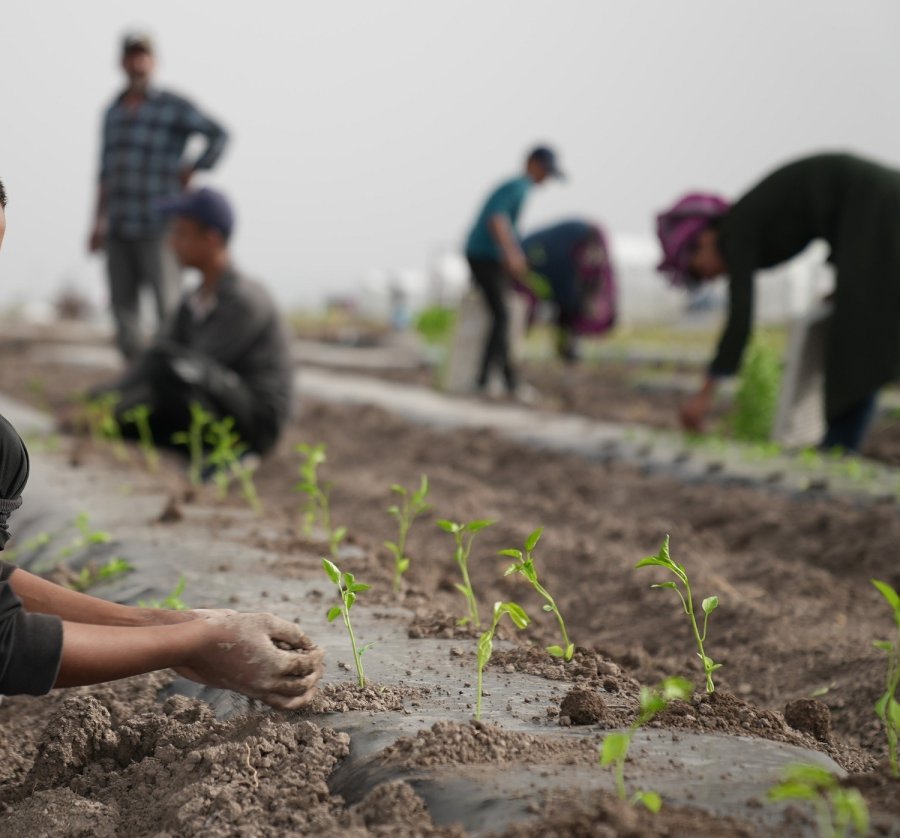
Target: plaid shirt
[(142, 158)]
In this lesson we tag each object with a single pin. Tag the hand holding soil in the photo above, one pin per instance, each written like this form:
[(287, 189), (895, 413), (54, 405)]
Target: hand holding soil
[(259, 655)]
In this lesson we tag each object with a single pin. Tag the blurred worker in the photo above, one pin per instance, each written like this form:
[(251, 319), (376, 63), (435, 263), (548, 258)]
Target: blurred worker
[(854, 205), (495, 257), (145, 131), (51, 636), (225, 348), (569, 265)]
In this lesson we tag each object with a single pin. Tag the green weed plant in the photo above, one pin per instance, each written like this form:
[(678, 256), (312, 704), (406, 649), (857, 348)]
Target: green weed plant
[(524, 565), (172, 601), (683, 588), (91, 574)]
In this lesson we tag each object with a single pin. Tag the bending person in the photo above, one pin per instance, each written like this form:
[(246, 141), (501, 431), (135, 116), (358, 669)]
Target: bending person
[(495, 258), (225, 349), (53, 637), (854, 205), (569, 265)]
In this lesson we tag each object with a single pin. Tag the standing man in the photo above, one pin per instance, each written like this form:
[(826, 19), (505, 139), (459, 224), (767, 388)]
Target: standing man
[(145, 131), (495, 257)]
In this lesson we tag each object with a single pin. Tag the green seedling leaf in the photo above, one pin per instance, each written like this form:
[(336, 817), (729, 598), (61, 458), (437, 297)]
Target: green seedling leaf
[(570, 651), (615, 748), (448, 526), (889, 594), (359, 587), (331, 569), (556, 651), (485, 645), (547, 608), (709, 604), (477, 526), (533, 539), (403, 565), (649, 799), (392, 547), (333, 613), (513, 554)]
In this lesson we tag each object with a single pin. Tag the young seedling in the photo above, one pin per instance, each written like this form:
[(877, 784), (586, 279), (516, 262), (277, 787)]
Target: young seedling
[(171, 601), (192, 438), (91, 575), (86, 537), (837, 809), (524, 564), (318, 505), (614, 750), (463, 535), (102, 423), (348, 588), (486, 642), (888, 706), (140, 417), (226, 450), (42, 539), (756, 399), (662, 559), (412, 505)]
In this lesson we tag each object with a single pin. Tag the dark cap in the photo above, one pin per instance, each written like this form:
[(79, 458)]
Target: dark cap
[(137, 42), (546, 156), (205, 206)]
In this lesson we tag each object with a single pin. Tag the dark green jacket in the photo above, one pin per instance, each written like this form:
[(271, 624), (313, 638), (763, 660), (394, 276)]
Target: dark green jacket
[(854, 205)]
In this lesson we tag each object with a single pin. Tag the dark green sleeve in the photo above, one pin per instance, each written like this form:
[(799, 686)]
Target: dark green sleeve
[(740, 319)]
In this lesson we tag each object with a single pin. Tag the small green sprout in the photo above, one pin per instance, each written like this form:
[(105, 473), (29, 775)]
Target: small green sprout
[(461, 554), (662, 559), (318, 504), (42, 539), (103, 426), (172, 601), (838, 810), (86, 537), (192, 439), (139, 416), (413, 504), (614, 750), (348, 588), (91, 575), (226, 450), (524, 565), (888, 706), (486, 642)]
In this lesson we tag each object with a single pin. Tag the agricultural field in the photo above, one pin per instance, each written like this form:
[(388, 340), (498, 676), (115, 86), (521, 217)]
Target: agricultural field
[(660, 652)]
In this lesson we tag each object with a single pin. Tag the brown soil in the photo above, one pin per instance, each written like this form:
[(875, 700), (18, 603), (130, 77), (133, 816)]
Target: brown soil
[(797, 615)]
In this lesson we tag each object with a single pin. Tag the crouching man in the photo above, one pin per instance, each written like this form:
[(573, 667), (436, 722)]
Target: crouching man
[(225, 347)]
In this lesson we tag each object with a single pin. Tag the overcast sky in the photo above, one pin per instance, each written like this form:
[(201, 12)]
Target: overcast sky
[(365, 133)]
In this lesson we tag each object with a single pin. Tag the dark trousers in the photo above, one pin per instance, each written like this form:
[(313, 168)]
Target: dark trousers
[(492, 280), (847, 430), (133, 264), (169, 378)]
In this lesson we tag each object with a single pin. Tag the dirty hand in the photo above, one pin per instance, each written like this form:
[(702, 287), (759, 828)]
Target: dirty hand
[(259, 655), (693, 412)]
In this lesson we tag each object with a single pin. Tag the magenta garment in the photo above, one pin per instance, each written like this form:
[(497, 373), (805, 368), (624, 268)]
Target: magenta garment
[(679, 227)]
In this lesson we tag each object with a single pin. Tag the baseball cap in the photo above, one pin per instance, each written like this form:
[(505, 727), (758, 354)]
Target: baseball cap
[(206, 206), (137, 41), (547, 157)]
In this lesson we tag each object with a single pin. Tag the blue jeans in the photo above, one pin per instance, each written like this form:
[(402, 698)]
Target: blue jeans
[(847, 430)]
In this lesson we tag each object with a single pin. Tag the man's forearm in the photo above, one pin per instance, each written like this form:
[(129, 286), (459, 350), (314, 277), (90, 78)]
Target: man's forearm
[(502, 232), (42, 597), (93, 654)]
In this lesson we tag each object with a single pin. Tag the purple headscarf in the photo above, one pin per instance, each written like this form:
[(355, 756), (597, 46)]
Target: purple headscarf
[(678, 229), (13, 475)]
